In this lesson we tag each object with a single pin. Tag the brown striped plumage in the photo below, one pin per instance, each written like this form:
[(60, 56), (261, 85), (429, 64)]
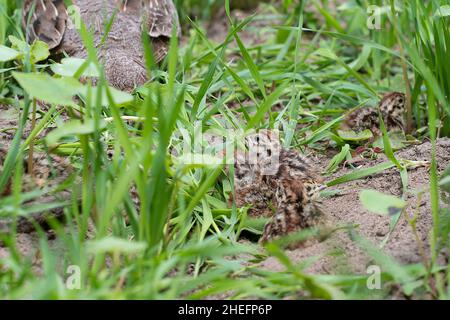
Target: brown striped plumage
[(392, 107), (281, 184), (48, 20), (122, 54)]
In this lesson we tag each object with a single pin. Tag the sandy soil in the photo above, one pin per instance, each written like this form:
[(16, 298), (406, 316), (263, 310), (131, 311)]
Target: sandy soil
[(345, 208)]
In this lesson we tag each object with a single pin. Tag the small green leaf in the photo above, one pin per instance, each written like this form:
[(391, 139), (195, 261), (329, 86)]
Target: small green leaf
[(8, 54), (350, 135), (44, 87), (61, 90), (39, 51), (381, 203), (74, 127), (18, 44), (69, 67)]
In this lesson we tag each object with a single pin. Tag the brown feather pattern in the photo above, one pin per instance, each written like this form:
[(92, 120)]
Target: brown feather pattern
[(392, 107), (47, 21), (122, 53), (282, 185)]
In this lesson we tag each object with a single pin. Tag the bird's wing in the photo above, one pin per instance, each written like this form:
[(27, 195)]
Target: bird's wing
[(45, 20), (160, 17)]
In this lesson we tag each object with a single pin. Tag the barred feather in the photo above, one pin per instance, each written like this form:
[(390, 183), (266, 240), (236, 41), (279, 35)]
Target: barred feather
[(45, 20), (160, 17)]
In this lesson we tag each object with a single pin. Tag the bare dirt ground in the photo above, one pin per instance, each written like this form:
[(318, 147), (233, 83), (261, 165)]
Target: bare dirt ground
[(345, 208)]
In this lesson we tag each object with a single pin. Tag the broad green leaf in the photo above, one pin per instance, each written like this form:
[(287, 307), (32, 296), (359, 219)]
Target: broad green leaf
[(73, 127), (18, 44), (39, 51), (69, 67), (381, 203), (43, 87), (8, 54), (350, 135)]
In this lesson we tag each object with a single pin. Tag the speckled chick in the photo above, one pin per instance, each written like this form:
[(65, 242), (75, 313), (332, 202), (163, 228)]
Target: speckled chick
[(277, 183), (392, 107)]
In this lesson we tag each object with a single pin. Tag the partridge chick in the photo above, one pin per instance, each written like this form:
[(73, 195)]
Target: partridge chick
[(392, 107), (277, 183)]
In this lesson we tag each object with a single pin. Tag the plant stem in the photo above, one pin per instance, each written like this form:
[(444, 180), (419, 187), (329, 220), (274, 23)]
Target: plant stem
[(31, 150), (409, 119)]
